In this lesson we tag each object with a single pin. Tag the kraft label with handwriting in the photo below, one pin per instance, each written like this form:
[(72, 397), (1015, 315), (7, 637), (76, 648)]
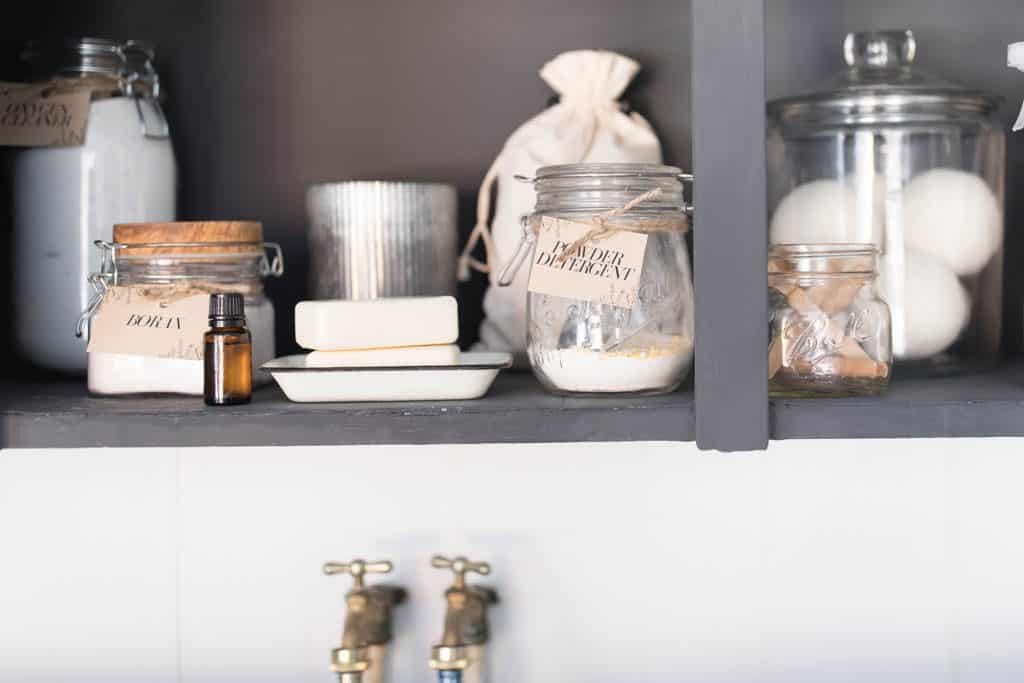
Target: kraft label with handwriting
[(40, 116), (602, 271), (130, 323)]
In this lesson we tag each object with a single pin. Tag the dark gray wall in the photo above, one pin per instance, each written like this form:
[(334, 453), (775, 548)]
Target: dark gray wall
[(963, 41), (268, 96)]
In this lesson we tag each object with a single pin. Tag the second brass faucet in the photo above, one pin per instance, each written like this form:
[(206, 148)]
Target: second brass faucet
[(460, 654)]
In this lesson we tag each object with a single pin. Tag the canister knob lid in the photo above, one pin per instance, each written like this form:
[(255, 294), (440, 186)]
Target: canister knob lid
[(881, 85)]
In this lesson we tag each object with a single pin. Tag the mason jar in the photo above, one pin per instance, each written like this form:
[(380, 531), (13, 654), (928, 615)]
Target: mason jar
[(829, 330), (610, 297), (888, 154), (65, 198), (165, 263)]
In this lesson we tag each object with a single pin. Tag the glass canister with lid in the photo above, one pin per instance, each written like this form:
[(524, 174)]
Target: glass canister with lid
[(889, 155), (146, 319), (67, 193), (610, 297)]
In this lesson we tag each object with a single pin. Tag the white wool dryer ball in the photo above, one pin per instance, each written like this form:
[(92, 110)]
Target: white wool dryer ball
[(828, 211), (937, 305), (953, 215)]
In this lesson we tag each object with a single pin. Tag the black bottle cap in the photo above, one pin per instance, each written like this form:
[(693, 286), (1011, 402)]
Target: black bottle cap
[(227, 307)]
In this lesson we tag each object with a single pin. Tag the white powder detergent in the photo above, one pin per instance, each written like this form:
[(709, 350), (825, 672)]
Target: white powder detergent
[(656, 366), (64, 198)]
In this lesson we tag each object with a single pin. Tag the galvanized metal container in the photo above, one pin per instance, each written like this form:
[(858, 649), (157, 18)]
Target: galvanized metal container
[(372, 239)]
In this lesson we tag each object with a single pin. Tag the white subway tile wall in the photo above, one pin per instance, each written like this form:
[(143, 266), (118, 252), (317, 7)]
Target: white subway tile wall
[(892, 561)]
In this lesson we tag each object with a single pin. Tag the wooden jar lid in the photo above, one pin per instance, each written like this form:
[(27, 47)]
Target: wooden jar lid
[(192, 237)]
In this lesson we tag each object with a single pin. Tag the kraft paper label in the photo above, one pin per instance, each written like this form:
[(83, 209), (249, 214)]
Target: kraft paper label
[(40, 115), (130, 323), (602, 271)]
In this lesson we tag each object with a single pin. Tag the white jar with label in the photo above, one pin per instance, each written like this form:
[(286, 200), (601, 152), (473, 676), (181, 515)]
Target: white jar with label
[(66, 197), (610, 305), (146, 319)]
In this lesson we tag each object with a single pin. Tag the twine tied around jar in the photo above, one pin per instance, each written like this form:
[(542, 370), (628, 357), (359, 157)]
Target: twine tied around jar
[(602, 229)]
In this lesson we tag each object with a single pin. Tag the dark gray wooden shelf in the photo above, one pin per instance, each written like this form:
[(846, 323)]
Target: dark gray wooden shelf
[(983, 404), (63, 415)]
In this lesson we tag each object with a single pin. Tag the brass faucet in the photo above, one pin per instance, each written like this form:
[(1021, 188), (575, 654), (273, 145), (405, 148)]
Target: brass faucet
[(360, 659), (465, 622)]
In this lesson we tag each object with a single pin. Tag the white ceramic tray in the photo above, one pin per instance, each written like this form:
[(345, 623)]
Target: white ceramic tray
[(470, 377)]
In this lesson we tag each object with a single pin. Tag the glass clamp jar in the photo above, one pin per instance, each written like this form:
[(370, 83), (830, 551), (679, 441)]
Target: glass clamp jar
[(169, 261), (641, 344), (66, 198), (829, 331), (887, 154)]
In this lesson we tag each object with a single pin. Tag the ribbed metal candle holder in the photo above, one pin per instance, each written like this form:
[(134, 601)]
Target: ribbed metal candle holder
[(372, 239)]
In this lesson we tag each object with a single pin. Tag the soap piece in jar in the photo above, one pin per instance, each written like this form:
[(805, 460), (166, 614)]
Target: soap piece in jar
[(440, 354), (830, 211), (814, 352), (379, 323), (954, 216), (936, 305)]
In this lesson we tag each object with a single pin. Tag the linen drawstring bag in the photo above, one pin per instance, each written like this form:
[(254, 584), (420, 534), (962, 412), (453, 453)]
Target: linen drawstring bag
[(587, 124)]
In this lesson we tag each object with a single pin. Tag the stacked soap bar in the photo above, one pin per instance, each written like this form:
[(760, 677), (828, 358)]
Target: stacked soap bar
[(401, 331)]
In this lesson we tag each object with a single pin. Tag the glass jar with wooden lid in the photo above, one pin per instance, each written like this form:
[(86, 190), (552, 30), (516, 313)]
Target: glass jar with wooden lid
[(149, 312)]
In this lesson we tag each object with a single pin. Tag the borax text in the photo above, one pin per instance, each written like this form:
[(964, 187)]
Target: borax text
[(588, 261), (158, 321)]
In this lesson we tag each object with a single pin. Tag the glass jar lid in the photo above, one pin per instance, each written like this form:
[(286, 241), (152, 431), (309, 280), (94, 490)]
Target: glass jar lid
[(823, 259), (74, 57), (881, 84), (608, 170), (607, 186)]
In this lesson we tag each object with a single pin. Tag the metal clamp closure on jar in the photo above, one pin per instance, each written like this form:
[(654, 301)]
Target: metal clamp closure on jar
[(271, 265), (106, 67)]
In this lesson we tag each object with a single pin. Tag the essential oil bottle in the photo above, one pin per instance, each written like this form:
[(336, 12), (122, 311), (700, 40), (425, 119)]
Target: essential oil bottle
[(227, 353)]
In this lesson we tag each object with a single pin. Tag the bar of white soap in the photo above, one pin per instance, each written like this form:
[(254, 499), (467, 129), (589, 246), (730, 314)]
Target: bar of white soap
[(376, 324), (440, 354)]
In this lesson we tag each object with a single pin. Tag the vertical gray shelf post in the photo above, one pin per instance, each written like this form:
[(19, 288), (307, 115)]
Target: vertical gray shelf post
[(730, 239)]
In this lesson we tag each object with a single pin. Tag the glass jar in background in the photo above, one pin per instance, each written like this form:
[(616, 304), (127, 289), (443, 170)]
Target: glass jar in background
[(638, 343), (829, 330), (915, 166), (167, 262), (66, 198)]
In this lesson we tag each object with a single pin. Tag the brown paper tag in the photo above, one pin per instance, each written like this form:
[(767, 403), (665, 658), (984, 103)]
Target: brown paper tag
[(604, 271), (32, 116), (128, 322)]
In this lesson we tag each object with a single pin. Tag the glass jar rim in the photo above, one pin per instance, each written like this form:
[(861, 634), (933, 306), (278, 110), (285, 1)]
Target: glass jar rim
[(608, 170), (823, 259)]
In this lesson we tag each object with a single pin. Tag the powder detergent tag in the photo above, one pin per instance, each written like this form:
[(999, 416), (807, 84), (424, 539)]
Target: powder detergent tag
[(130, 323), (32, 116), (602, 271)]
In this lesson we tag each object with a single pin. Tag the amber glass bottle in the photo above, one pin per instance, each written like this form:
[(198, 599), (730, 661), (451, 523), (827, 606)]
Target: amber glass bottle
[(227, 353)]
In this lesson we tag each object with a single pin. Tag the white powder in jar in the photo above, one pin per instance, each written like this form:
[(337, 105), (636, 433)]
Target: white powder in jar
[(118, 373), (64, 198), (658, 363)]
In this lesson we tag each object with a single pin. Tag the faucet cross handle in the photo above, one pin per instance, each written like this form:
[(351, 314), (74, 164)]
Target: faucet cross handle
[(357, 569), (460, 566)]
